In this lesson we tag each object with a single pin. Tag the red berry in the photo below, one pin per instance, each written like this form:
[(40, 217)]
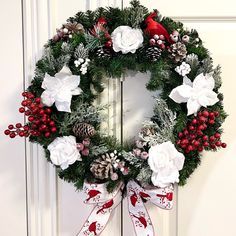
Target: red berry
[(202, 119), (18, 125), (200, 149), (24, 94), (43, 127), (213, 146), (47, 134), (185, 132), (26, 127), (24, 103), (216, 113), (223, 145), (191, 127), (211, 122), (52, 123), (21, 133), (205, 138), (212, 138), (194, 121), (27, 113), (184, 141), (205, 126), (199, 133), (30, 118), (192, 136), (12, 135), (205, 144), (212, 115), (10, 126), (53, 129), (201, 127), (37, 100), (178, 142), (34, 126), (48, 110), (196, 143), (37, 122), (205, 113), (217, 135), (218, 143), (7, 132), (21, 109), (41, 112), (31, 96), (190, 148)]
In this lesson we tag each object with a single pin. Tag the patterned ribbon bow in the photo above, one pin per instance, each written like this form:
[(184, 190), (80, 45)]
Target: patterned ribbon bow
[(104, 203)]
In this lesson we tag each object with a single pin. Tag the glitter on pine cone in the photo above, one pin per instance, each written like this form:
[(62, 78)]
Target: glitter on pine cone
[(102, 167), (104, 53), (153, 53), (178, 51), (83, 130)]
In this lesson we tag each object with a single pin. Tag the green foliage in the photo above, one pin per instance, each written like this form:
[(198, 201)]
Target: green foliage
[(162, 76)]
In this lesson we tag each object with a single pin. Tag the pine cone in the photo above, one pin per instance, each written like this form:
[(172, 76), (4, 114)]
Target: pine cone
[(153, 53), (102, 167), (83, 130), (74, 27), (104, 53), (178, 51)]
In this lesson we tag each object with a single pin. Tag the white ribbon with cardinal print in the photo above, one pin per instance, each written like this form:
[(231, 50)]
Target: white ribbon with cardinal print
[(106, 202)]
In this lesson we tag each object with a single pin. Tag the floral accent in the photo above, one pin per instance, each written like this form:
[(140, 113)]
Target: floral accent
[(165, 162), (126, 39), (64, 152), (60, 88), (196, 94), (183, 69)]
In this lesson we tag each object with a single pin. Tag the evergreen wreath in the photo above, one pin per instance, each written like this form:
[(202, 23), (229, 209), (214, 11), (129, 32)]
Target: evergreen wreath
[(104, 43)]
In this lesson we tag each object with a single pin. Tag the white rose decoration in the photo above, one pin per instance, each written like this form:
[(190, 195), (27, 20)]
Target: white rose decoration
[(126, 39), (64, 152), (165, 162)]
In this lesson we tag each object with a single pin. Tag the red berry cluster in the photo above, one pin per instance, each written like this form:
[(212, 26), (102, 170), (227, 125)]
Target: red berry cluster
[(39, 119), (193, 138)]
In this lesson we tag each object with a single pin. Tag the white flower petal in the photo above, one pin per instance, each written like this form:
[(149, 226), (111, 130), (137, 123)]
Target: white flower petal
[(48, 98), (63, 106), (207, 98), (187, 81), (64, 72), (193, 106), (202, 81), (76, 91), (181, 93)]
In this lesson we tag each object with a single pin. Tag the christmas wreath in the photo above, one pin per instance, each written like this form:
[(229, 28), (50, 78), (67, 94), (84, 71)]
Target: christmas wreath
[(63, 119)]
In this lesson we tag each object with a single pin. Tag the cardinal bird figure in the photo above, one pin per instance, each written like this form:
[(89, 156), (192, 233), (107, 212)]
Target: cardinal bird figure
[(133, 198), (92, 193), (142, 220), (93, 227), (154, 27), (168, 196), (106, 205)]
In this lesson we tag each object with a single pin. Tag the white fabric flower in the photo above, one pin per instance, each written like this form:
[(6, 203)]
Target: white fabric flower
[(126, 39), (196, 94), (165, 162), (60, 89), (183, 69), (64, 152)]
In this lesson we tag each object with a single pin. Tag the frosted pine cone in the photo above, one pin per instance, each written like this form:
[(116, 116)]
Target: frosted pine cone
[(153, 53), (178, 51), (104, 52), (83, 130), (102, 168)]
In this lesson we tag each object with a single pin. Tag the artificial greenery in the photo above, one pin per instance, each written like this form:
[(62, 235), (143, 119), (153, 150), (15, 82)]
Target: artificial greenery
[(162, 76)]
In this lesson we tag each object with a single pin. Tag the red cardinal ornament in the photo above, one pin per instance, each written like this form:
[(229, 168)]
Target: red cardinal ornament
[(154, 27)]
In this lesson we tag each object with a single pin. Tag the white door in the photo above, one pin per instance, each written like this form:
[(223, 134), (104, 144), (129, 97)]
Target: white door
[(204, 207)]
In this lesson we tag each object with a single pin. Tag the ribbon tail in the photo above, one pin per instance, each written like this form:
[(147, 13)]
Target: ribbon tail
[(138, 212), (99, 216)]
